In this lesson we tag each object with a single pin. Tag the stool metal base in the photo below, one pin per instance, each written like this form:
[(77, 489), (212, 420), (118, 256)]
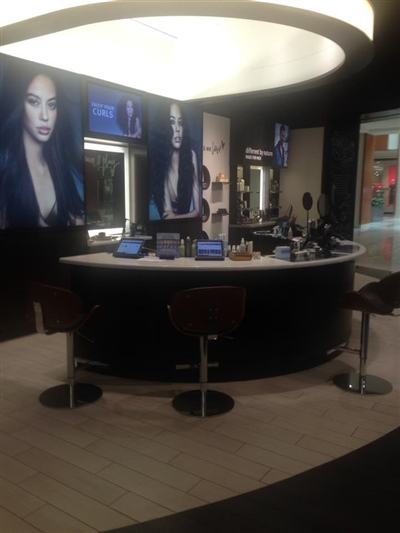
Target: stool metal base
[(198, 403), (353, 382), (59, 397)]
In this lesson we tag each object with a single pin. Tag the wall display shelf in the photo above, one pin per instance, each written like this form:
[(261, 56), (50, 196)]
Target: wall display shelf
[(257, 195), (216, 204)]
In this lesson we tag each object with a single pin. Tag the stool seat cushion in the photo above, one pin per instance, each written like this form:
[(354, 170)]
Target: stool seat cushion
[(366, 302), (377, 297)]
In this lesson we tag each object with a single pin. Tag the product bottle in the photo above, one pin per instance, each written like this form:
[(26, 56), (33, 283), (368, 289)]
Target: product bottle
[(188, 247), (194, 248), (225, 242), (222, 237), (182, 248), (242, 247)]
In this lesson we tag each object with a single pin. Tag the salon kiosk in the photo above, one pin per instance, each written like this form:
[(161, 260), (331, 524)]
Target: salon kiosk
[(291, 306)]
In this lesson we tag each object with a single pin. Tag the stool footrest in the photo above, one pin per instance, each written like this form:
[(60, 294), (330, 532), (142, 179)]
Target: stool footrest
[(354, 382), (187, 366), (207, 403)]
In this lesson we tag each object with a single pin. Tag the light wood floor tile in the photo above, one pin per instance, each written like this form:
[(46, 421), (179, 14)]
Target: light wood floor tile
[(140, 509), (151, 489), (274, 476), (17, 500), (272, 460), (146, 447), (58, 429), (322, 446), (218, 457), (145, 465), (14, 470), (277, 446), (12, 446), (216, 474), (71, 476), (201, 435), (211, 493), (49, 519), (64, 450), (13, 524), (75, 504), (121, 421), (346, 441)]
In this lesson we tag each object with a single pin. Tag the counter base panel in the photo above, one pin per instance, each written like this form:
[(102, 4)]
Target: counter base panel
[(291, 322)]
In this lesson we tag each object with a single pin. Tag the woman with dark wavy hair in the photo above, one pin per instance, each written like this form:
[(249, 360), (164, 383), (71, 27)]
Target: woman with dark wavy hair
[(128, 119), (40, 160), (174, 169)]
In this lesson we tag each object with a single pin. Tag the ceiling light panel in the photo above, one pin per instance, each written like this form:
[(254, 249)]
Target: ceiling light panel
[(176, 57), (259, 48)]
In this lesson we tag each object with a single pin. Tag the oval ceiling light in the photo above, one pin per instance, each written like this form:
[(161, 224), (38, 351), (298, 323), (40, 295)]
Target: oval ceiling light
[(199, 49), (26, 9), (360, 15)]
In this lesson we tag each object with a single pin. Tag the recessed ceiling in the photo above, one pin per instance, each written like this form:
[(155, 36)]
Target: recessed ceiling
[(194, 49)]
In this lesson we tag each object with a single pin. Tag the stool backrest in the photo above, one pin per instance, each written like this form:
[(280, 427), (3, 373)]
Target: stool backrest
[(205, 311), (52, 309), (389, 290)]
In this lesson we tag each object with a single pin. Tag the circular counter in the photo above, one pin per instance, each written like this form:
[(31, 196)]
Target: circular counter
[(291, 308)]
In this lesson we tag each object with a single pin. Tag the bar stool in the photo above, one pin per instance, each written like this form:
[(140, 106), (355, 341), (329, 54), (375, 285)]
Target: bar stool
[(376, 298), (56, 310), (206, 313)]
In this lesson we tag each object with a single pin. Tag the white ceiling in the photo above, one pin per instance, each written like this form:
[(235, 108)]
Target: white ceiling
[(192, 49), (174, 59)]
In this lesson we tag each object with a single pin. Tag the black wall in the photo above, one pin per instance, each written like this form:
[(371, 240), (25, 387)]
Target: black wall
[(32, 255), (339, 173)]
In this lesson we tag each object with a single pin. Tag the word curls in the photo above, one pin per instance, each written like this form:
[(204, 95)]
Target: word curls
[(103, 110)]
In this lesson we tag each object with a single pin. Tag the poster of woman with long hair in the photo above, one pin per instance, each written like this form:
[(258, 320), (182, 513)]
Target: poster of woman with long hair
[(41, 153), (175, 160)]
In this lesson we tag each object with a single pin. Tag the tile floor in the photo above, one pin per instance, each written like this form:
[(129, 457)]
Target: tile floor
[(382, 241), (130, 457)]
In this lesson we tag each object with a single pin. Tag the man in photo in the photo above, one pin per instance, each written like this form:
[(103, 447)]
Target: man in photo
[(280, 149)]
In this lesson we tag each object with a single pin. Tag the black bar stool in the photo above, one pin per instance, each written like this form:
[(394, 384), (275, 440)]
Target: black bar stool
[(57, 310), (376, 298), (206, 313)]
